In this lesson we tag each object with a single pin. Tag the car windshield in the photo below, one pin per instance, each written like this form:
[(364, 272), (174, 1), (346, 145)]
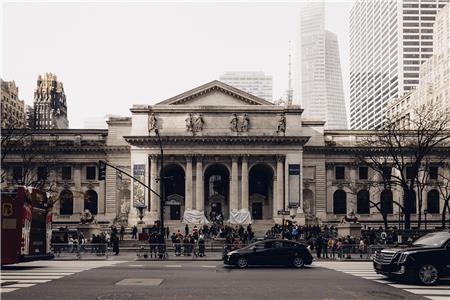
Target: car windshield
[(432, 239)]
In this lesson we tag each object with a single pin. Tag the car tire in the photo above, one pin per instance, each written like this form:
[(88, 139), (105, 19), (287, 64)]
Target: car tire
[(427, 274), (242, 263), (298, 262)]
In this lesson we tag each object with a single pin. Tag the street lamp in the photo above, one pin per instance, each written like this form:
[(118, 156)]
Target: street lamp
[(425, 212), (163, 192)]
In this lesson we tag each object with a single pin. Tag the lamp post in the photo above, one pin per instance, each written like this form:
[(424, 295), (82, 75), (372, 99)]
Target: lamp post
[(163, 192), (425, 212)]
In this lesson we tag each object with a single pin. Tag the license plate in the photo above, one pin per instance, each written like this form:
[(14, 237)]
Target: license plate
[(378, 266)]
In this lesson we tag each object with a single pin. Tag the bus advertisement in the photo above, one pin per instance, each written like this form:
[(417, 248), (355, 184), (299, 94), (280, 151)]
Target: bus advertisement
[(26, 225)]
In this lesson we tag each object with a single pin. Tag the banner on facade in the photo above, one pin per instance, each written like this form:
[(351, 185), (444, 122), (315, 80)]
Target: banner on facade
[(138, 189), (294, 185)]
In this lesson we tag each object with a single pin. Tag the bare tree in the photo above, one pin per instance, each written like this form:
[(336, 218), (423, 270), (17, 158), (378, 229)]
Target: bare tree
[(443, 186), (406, 148)]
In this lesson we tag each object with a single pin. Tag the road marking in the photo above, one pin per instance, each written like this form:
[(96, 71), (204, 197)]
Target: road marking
[(408, 286), (428, 291), (173, 266), (209, 266), (29, 277), (135, 265), (36, 273), (21, 285), (437, 297), (7, 290), (28, 280)]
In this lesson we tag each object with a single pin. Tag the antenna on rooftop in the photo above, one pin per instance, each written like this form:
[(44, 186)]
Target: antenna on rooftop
[(289, 91)]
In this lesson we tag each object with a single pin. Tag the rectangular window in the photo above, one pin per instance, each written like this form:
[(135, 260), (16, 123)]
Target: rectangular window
[(17, 173), (433, 172), (363, 173), (90, 173), (387, 173), (410, 174), (340, 172), (66, 173), (42, 173)]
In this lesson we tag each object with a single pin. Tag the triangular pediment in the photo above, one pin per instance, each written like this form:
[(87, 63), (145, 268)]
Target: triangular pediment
[(215, 93)]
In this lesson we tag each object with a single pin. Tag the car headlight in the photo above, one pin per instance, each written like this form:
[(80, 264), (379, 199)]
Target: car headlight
[(403, 257)]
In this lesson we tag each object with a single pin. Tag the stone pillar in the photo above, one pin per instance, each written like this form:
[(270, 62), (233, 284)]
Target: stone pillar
[(200, 204), (154, 199), (234, 204), (188, 183), (78, 198), (279, 187), (244, 181)]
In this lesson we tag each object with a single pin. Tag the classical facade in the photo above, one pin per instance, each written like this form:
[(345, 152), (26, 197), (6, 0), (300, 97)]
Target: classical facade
[(226, 153), (50, 107), (12, 108)]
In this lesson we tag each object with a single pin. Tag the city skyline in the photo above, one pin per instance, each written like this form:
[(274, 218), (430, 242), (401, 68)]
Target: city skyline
[(150, 69)]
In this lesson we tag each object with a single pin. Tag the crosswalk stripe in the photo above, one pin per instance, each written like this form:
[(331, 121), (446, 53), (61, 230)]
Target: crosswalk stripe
[(7, 290), (30, 277), (437, 297), (407, 286), (21, 285), (35, 273), (208, 266), (27, 280), (173, 266), (428, 291)]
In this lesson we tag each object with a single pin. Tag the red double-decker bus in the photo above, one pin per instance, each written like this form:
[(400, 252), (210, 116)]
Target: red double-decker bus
[(26, 225)]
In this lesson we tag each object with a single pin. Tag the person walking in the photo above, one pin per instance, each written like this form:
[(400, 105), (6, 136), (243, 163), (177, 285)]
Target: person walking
[(115, 243), (319, 245), (122, 232), (167, 232), (134, 231), (186, 230), (361, 247)]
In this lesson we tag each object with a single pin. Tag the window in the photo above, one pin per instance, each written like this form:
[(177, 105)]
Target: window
[(340, 172), (362, 202), (340, 202), (17, 173), (433, 173), (91, 201), (410, 173), (387, 171), (66, 202), (387, 206), (363, 173), (42, 173), (433, 202), (66, 173), (90, 173), (410, 204)]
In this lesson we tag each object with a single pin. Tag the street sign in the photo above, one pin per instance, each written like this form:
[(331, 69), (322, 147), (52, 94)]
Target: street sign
[(284, 212)]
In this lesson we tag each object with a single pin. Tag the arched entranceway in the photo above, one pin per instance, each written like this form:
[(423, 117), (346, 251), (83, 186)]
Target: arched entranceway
[(91, 201), (260, 190), (217, 183), (174, 190)]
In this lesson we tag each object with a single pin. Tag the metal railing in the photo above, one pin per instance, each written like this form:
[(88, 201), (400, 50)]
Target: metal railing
[(80, 251)]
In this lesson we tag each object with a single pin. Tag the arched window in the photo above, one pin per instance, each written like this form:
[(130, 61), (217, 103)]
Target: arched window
[(91, 201), (433, 202), (362, 202), (66, 203), (340, 202), (387, 206)]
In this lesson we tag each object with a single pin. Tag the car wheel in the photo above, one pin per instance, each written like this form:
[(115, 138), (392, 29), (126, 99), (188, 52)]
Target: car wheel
[(242, 263), (428, 274), (298, 262)]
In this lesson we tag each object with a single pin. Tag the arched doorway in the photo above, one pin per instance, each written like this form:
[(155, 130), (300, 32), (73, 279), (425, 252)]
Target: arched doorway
[(260, 191), (174, 183), (340, 202), (217, 183), (66, 203), (363, 202), (386, 198), (91, 201), (433, 202)]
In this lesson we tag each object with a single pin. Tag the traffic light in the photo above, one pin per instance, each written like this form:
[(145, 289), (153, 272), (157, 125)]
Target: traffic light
[(101, 170)]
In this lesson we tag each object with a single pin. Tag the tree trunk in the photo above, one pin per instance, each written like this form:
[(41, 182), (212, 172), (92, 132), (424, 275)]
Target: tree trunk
[(444, 210), (407, 208), (385, 220)]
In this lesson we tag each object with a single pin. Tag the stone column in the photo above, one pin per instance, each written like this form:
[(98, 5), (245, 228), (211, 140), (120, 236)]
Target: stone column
[(188, 183), (234, 204), (244, 180), (279, 186), (200, 204), (154, 200), (78, 198)]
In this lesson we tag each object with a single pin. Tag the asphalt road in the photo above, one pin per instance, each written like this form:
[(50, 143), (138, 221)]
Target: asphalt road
[(202, 280)]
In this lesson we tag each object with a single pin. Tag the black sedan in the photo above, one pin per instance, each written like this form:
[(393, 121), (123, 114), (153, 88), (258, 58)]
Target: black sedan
[(270, 252), (426, 261)]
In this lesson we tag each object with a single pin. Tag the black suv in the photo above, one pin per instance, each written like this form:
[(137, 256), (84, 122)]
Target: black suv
[(426, 261), (270, 252)]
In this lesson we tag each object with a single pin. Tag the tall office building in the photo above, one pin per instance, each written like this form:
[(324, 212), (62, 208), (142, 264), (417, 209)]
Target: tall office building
[(255, 83), (50, 108), (12, 108), (388, 42), (322, 94)]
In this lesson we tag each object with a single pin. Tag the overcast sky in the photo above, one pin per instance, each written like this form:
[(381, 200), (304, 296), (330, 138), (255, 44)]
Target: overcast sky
[(111, 55)]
